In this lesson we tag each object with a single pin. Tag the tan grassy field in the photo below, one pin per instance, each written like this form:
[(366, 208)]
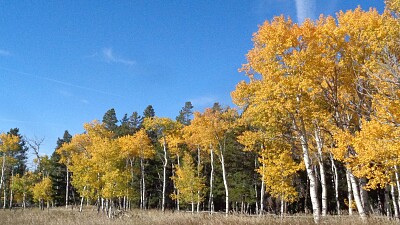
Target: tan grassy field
[(62, 216)]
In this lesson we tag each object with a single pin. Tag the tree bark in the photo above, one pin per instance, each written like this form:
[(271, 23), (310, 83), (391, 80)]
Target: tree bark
[(349, 192), (198, 175), (357, 197), (395, 206), (397, 184), (3, 167), (222, 160), (319, 141), (67, 189), (310, 172), (336, 183), (11, 190), (364, 196), (143, 185), (262, 193), (210, 200), (164, 174), (81, 205), (387, 204)]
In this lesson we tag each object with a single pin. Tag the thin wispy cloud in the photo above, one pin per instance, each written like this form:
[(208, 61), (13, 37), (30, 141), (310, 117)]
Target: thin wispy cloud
[(4, 52), (109, 56), (203, 101), (61, 82), (305, 9)]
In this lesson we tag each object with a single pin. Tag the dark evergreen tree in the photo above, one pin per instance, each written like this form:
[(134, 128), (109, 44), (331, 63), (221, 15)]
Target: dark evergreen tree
[(217, 107), (110, 120), (66, 139), (185, 114), (58, 172), (20, 154), (135, 121), (149, 112), (124, 129)]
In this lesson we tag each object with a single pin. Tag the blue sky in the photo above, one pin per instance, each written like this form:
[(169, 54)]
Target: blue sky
[(64, 63)]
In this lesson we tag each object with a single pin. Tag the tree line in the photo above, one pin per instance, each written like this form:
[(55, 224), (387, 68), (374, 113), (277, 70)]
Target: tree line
[(317, 131)]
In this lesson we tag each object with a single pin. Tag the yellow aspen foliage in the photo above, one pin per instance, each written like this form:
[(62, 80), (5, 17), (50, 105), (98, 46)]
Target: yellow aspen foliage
[(279, 172), (375, 150), (137, 145), (98, 161), (42, 191), (8, 142), (22, 185), (188, 182)]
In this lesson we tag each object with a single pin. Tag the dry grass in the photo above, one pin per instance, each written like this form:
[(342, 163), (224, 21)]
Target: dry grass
[(61, 216)]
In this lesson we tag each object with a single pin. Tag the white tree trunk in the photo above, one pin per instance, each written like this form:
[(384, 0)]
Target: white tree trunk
[(310, 172), (143, 185), (364, 196), (11, 190), (336, 183), (395, 206), (67, 189), (222, 160), (3, 167), (398, 185), (211, 200), (357, 197), (262, 193), (81, 206), (320, 144), (164, 175), (349, 192), (387, 204), (198, 175)]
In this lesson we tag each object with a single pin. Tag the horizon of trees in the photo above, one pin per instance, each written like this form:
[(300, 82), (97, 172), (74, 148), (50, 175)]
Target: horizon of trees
[(317, 131)]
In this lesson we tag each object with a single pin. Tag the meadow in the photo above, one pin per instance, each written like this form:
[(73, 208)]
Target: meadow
[(62, 216)]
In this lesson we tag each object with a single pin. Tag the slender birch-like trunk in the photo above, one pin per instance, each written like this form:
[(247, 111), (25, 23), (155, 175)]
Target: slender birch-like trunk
[(395, 206), (262, 193), (143, 185), (309, 168), (177, 190), (349, 192), (164, 174), (3, 167), (357, 197), (11, 190), (81, 205), (198, 175), (211, 200), (398, 185), (5, 197), (255, 186), (387, 204), (364, 196), (222, 160), (67, 189), (336, 183), (320, 144)]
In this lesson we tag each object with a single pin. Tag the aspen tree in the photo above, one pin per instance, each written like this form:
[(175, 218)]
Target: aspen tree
[(188, 183), (163, 127)]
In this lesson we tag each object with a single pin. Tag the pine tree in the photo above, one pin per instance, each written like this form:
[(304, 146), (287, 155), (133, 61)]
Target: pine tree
[(185, 114), (110, 120)]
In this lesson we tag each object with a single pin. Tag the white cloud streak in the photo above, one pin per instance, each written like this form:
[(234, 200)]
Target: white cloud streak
[(109, 56), (204, 101), (4, 52), (305, 9), (61, 82)]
